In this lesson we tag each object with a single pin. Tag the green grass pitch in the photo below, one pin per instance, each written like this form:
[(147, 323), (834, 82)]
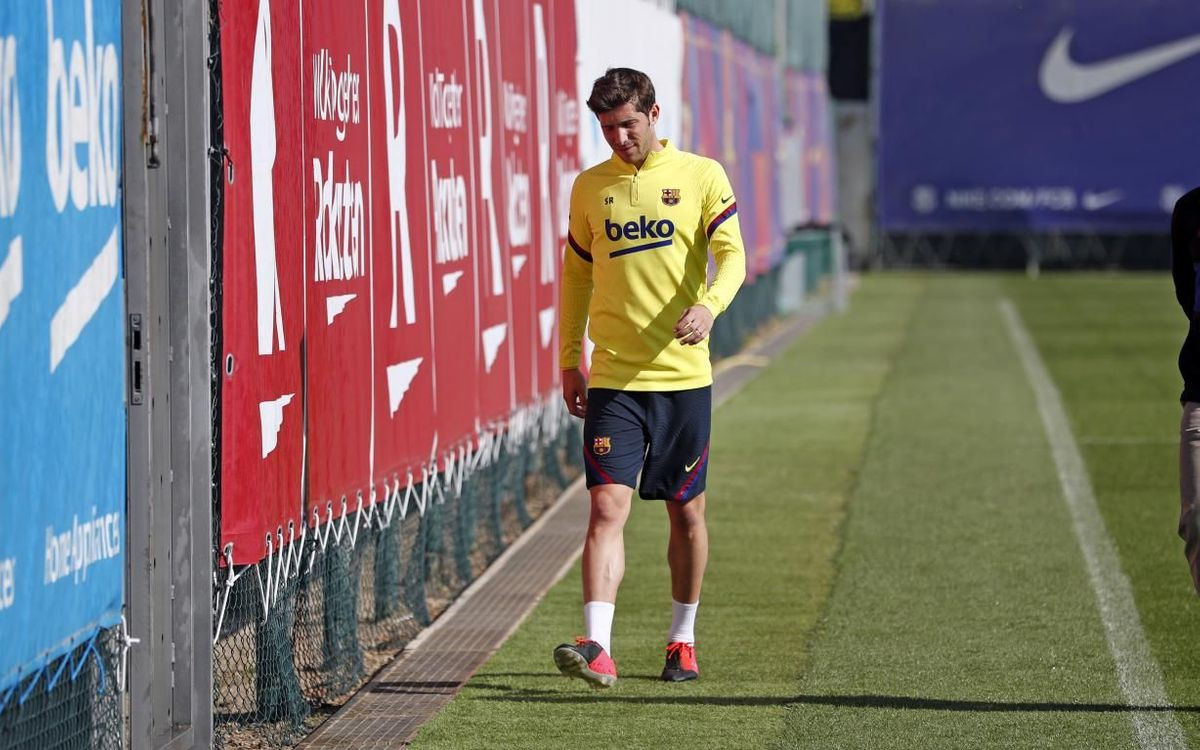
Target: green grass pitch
[(893, 564)]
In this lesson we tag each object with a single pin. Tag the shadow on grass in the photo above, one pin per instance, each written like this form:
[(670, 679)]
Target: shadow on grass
[(944, 704), (426, 687), (896, 702)]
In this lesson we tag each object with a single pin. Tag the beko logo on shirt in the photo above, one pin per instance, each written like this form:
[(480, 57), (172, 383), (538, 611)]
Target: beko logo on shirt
[(643, 228)]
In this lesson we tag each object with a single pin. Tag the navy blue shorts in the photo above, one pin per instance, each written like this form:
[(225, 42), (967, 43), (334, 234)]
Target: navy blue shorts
[(662, 434)]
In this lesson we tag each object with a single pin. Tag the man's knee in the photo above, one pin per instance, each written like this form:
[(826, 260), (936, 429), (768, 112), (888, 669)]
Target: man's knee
[(689, 516), (610, 505)]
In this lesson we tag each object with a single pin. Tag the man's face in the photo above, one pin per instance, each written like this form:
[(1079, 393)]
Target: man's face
[(630, 133)]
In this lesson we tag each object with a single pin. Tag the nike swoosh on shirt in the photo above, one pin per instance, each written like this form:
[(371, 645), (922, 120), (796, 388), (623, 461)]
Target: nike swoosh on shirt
[(692, 465), (1066, 81), (726, 200)]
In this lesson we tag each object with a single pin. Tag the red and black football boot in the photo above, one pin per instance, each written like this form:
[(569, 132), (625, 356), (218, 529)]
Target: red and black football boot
[(681, 662), (588, 661)]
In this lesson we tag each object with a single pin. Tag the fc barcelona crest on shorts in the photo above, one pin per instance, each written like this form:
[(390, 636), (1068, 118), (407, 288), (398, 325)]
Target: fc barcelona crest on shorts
[(670, 196), (601, 445)]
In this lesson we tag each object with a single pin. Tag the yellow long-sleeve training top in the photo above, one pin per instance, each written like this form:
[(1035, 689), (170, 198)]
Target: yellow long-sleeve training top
[(637, 257)]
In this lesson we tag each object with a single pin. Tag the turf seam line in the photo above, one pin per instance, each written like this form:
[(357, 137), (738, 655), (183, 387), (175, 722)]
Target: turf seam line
[(820, 626), (1138, 674)]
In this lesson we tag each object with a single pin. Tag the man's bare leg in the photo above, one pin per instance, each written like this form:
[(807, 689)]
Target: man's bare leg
[(604, 547), (603, 568), (687, 549), (687, 554)]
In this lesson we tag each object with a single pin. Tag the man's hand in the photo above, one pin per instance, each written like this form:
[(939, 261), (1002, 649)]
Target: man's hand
[(694, 325), (574, 387)]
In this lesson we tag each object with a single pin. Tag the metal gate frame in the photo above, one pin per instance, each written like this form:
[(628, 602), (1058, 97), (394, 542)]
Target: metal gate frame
[(167, 271)]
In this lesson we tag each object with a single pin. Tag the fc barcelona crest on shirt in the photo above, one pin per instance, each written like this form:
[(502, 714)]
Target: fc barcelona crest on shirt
[(601, 445), (670, 196)]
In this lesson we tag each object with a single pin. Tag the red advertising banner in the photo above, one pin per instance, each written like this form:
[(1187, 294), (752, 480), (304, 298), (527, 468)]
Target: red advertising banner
[(490, 109), (704, 86), (449, 152), (723, 76), (394, 215), (760, 80), (395, 211), (558, 164), (404, 366), (337, 187), (517, 93), (262, 319)]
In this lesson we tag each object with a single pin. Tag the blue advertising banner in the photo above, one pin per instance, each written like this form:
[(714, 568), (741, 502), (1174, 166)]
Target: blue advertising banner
[(1052, 115), (62, 411)]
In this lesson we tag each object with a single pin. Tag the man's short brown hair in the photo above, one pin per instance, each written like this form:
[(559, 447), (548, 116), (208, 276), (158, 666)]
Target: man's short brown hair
[(619, 86)]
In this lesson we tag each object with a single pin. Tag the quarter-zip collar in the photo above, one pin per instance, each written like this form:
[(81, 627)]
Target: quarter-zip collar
[(653, 159)]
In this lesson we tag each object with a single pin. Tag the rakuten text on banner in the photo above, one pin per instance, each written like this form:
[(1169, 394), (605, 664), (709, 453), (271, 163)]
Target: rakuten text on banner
[(62, 406), (335, 44), (391, 243), (450, 142)]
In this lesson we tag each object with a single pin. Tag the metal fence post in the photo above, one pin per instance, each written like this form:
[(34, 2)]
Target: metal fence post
[(167, 260)]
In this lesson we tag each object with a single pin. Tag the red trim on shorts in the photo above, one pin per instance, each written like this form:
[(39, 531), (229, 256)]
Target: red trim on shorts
[(691, 479), (596, 467)]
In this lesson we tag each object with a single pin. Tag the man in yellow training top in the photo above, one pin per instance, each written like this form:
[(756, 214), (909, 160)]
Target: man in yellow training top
[(635, 273)]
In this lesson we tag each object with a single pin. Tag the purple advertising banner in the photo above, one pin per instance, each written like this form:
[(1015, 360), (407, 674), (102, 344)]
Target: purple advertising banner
[(1057, 115)]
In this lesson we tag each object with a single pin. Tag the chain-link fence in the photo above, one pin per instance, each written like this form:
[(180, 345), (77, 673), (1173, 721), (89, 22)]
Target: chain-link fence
[(74, 702), (300, 631)]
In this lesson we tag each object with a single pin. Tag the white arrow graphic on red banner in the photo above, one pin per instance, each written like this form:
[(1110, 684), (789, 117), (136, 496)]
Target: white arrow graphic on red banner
[(492, 339), (450, 281), (400, 377), (270, 413), (335, 305)]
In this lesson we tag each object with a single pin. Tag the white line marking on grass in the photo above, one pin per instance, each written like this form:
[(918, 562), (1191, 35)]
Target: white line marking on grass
[(1138, 674)]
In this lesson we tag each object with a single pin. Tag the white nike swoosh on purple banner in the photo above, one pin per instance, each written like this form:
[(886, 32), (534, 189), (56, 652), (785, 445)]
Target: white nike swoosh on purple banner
[(1065, 81)]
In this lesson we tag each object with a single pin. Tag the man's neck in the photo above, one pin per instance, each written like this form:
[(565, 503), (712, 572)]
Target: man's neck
[(658, 146)]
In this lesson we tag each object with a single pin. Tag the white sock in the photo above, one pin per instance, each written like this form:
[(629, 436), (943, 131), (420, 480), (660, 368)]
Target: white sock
[(597, 621), (683, 622)]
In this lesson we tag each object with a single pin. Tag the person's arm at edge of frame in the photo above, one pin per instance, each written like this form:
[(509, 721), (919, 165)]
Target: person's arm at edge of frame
[(574, 298), (1185, 220)]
